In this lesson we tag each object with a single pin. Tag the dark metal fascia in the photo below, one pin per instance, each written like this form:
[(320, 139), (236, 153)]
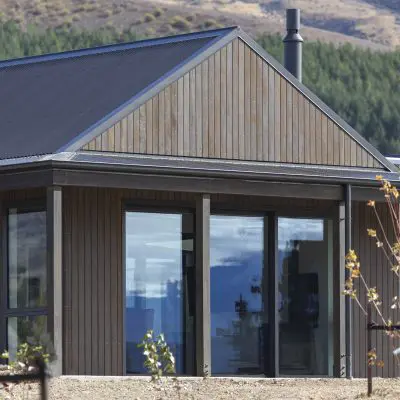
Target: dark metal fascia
[(204, 173), (316, 101), (193, 170)]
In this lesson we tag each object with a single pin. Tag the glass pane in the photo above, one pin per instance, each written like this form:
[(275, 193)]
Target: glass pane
[(26, 329), (238, 301), (159, 276), (27, 252), (305, 296)]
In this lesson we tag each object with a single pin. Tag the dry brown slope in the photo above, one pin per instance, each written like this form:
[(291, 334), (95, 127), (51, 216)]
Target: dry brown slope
[(369, 23)]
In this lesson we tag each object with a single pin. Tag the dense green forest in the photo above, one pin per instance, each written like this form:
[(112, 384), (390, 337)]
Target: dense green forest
[(360, 85)]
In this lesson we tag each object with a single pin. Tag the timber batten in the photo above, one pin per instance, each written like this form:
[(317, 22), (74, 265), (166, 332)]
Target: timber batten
[(234, 105)]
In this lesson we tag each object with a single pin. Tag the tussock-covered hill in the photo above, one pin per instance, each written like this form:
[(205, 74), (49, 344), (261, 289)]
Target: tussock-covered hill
[(371, 23)]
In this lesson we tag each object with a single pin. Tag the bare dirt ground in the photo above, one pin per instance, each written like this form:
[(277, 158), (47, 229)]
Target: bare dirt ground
[(367, 23), (83, 388)]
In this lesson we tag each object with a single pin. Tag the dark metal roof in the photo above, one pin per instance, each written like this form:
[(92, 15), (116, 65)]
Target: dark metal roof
[(46, 101)]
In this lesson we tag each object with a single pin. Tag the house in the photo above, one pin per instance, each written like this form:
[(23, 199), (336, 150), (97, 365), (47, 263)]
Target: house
[(191, 185)]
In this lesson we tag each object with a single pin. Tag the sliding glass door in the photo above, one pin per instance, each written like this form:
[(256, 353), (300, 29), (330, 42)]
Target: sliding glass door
[(159, 279), (238, 295), (271, 292)]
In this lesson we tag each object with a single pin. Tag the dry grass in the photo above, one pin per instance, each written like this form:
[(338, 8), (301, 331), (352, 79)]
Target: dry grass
[(369, 23)]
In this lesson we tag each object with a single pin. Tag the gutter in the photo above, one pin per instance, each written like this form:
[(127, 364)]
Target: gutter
[(327, 177)]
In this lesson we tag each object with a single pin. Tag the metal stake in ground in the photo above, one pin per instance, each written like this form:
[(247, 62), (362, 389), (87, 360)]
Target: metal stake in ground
[(371, 326)]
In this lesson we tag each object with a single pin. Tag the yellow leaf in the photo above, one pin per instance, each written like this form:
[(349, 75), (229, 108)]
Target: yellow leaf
[(371, 232)]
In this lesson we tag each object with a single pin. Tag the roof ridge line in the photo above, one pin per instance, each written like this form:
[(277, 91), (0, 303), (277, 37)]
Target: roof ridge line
[(115, 47)]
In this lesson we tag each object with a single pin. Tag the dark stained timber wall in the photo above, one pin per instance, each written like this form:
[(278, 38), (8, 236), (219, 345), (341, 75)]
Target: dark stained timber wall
[(376, 268), (234, 106), (93, 278), (93, 267), (93, 270)]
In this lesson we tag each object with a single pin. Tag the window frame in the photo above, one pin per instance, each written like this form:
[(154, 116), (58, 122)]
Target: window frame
[(24, 206), (151, 207)]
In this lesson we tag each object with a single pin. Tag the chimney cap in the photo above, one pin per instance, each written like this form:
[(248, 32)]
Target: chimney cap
[(293, 19)]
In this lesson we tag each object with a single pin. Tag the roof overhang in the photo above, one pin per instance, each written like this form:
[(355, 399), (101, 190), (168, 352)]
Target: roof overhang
[(113, 170)]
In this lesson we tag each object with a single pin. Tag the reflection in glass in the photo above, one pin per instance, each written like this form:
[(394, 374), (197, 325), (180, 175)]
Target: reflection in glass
[(305, 296), (237, 297), (159, 277), (27, 259), (26, 329)]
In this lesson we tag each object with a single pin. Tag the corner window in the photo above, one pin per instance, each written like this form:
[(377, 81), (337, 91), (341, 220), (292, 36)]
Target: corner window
[(25, 276), (27, 272)]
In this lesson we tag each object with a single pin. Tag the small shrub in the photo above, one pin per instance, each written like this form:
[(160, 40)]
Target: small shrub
[(158, 12), (209, 23), (158, 356), (76, 18), (79, 9), (116, 10), (63, 12), (190, 18), (105, 14), (91, 7), (150, 32), (149, 17), (180, 23)]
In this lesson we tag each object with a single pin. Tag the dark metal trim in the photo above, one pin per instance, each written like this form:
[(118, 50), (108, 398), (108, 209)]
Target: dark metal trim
[(196, 185), (271, 238), (338, 285), (54, 219), (203, 296), (30, 178), (3, 278), (26, 312), (317, 101), (233, 168), (359, 193), (348, 303)]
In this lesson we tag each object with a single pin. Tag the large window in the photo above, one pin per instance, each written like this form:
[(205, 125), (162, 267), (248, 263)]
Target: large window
[(159, 285), (25, 276), (238, 295), (305, 301)]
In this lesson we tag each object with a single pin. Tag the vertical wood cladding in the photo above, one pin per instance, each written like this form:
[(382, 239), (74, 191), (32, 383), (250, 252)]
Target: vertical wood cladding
[(93, 268), (234, 105), (93, 271), (376, 269), (93, 277)]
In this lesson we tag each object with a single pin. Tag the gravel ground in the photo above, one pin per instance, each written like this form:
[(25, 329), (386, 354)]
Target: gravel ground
[(85, 388)]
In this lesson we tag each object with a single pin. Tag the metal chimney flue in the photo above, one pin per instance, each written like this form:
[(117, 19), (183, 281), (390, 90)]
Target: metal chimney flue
[(293, 43)]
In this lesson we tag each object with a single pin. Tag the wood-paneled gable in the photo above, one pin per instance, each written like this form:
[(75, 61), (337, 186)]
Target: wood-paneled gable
[(234, 105), (93, 303)]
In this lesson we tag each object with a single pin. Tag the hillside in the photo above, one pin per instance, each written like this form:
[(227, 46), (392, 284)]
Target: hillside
[(367, 23)]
